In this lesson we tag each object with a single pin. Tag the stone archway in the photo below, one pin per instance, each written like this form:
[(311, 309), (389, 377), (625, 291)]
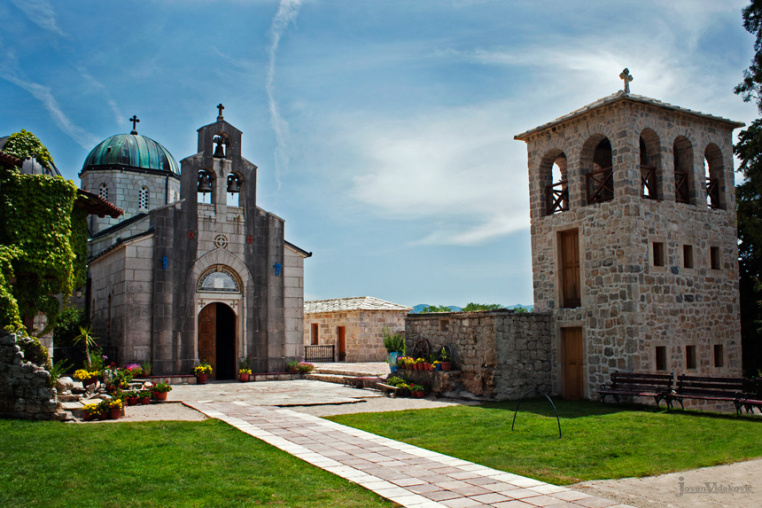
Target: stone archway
[(217, 339)]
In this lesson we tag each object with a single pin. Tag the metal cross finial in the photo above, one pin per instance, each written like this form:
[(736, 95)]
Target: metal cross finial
[(220, 107), (627, 77), (134, 121)]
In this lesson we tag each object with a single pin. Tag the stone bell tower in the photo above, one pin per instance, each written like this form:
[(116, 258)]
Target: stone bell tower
[(634, 242)]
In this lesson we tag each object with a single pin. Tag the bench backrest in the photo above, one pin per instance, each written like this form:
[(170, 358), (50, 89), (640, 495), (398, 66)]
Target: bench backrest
[(644, 379), (710, 385)]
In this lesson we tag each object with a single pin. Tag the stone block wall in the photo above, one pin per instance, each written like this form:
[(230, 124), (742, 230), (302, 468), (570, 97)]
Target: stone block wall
[(364, 331), (24, 387), (500, 354)]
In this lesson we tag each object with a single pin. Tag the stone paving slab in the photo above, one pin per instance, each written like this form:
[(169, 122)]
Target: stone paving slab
[(405, 474)]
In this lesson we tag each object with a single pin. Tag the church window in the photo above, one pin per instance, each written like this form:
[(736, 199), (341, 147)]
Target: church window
[(714, 177), (553, 169), (658, 253), (219, 279), (650, 163), (568, 247), (143, 197), (688, 256), (599, 177), (690, 357), (714, 258), (661, 358), (682, 152), (719, 356), (103, 191)]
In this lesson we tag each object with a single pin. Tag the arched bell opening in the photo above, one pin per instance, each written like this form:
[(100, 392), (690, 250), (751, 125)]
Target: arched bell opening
[(234, 184), (205, 186)]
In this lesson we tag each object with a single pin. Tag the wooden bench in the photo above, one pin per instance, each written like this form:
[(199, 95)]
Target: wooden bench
[(752, 396), (635, 384), (730, 389)]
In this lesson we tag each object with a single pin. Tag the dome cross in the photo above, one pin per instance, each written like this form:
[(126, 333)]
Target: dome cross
[(134, 121)]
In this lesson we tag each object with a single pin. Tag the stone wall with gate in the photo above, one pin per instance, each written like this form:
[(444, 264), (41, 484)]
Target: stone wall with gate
[(24, 386), (499, 354)]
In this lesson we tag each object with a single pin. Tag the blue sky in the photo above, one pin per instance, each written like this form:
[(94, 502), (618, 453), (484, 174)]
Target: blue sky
[(383, 130)]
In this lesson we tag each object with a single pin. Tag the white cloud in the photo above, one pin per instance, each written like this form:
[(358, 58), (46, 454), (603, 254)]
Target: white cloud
[(119, 118), (41, 13)]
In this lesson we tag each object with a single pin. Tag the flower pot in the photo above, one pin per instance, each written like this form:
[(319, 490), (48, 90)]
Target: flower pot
[(145, 400), (115, 413), (133, 401), (393, 368), (87, 416), (243, 378), (160, 395), (418, 395), (438, 366), (446, 365), (103, 415), (201, 378)]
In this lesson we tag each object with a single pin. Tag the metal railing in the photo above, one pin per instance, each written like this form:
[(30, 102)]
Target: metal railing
[(320, 353)]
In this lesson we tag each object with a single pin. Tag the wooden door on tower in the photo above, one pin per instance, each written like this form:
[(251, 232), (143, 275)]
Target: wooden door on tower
[(573, 363), (341, 338), (207, 336)]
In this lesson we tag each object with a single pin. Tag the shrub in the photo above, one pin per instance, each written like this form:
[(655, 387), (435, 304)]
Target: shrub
[(393, 342), (304, 367), (162, 388)]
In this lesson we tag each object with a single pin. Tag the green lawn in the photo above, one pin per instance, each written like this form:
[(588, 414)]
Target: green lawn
[(599, 440), (162, 464)]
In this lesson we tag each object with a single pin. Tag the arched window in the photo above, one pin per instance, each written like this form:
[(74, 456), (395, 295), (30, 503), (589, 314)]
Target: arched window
[(219, 279), (103, 191), (713, 172), (553, 173), (650, 165), (143, 197), (683, 156), (597, 168)]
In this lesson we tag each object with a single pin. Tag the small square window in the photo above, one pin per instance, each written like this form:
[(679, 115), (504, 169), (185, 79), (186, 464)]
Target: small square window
[(658, 254), (444, 324), (688, 256), (661, 358), (714, 258), (719, 355), (690, 357)]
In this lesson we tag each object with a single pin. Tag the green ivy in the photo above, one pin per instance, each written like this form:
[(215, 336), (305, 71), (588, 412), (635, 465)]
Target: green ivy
[(45, 237), (24, 144)]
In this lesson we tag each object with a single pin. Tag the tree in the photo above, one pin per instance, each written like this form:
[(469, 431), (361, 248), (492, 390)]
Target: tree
[(749, 201), (474, 307), (435, 308)]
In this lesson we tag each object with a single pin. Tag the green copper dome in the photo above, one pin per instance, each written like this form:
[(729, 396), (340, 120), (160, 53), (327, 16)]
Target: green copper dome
[(131, 151)]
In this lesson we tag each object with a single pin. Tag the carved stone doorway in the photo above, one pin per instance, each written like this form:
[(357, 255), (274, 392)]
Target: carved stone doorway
[(216, 339)]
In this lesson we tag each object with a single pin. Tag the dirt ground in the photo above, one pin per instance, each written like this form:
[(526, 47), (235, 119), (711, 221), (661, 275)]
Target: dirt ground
[(732, 485)]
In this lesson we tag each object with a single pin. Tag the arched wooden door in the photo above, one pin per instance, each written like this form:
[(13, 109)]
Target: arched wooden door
[(216, 339)]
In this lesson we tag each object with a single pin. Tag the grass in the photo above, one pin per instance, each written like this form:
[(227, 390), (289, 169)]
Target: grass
[(162, 464), (599, 441)]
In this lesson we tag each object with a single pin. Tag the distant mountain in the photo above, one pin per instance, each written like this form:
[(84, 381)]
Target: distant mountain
[(418, 308)]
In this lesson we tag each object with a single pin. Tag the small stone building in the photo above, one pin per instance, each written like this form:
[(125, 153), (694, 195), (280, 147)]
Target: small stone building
[(194, 270), (634, 245), (354, 326)]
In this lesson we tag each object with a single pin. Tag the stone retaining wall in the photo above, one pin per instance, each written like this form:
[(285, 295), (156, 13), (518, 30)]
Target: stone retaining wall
[(500, 354), (25, 390)]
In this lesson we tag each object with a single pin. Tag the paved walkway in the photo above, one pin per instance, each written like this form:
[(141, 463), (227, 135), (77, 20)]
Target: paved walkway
[(405, 474)]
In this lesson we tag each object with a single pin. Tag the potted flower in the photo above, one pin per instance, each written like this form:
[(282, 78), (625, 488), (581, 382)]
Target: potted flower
[(243, 375), (132, 397), (419, 364), (160, 391), (417, 391), (437, 365), (145, 397), (115, 408), (305, 368), (394, 343), (91, 411), (444, 357), (202, 372), (293, 367), (146, 368)]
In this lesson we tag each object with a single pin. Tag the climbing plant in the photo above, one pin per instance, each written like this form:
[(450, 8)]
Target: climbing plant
[(43, 236)]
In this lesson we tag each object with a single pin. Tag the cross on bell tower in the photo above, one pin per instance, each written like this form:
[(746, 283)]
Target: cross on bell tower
[(134, 121), (627, 77), (220, 107)]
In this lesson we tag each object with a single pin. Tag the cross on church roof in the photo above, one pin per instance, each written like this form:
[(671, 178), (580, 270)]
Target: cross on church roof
[(627, 77), (220, 107), (134, 121)]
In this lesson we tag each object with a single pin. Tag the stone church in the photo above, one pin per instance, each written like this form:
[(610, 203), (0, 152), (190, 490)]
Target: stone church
[(194, 270), (634, 243)]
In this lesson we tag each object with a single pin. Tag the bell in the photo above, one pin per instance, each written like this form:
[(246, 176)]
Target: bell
[(219, 153), (234, 184), (204, 182)]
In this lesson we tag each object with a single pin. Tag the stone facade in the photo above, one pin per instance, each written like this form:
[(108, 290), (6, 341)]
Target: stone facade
[(500, 354), (363, 321), (201, 277), (24, 387), (652, 281)]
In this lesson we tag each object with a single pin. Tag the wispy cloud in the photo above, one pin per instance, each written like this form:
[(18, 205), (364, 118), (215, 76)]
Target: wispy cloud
[(41, 13), (43, 94), (119, 118), (287, 13)]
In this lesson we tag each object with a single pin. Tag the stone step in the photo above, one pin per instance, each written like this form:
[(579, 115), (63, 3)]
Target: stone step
[(343, 379)]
